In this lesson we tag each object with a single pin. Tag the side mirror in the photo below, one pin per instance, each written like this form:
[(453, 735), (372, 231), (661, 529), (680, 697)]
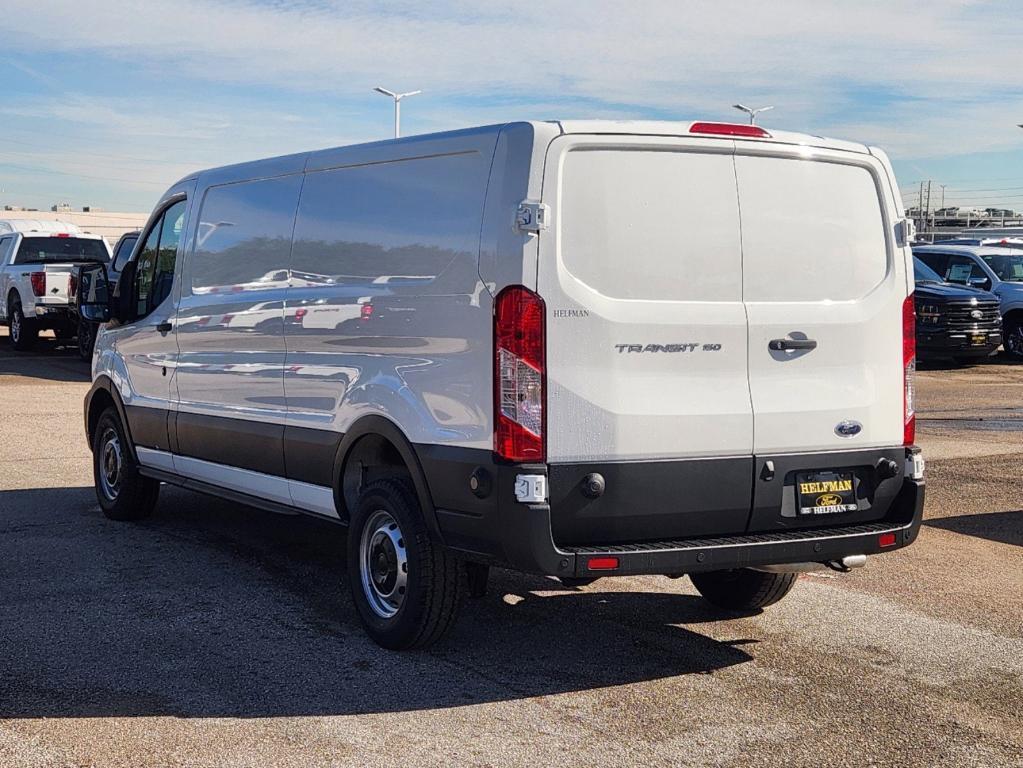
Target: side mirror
[(980, 282), (94, 293)]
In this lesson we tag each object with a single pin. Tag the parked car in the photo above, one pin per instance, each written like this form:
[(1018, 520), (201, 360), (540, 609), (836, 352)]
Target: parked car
[(994, 268), (954, 321), (38, 260), (87, 329), (549, 378)]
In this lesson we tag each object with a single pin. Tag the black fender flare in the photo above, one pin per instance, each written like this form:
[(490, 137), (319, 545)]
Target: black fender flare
[(387, 429), (104, 383)]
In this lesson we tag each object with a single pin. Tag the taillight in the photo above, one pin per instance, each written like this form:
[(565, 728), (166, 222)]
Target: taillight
[(38, 283), (520, 379), (908, 369), (366, 312), (730, 129)]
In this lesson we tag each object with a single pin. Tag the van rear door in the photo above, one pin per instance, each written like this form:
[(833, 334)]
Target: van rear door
[(640, 269), (824, 292)]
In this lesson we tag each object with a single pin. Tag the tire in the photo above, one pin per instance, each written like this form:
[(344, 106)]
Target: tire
[(86, 339), (743, 589), (1012, 338), (122, 492), (407, 589), (24, 332)]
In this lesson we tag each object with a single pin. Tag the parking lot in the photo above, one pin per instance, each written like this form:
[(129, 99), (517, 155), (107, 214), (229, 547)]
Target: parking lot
[(214, 634)]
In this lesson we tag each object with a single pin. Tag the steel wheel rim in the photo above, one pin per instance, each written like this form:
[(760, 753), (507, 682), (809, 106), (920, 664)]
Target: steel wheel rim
[(16, 326), (383, 564), (111, 464)]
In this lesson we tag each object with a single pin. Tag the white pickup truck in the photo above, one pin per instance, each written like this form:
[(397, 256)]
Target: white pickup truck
[(38, 264)]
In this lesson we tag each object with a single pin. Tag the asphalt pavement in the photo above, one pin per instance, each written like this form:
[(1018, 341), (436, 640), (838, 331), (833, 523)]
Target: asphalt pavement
[(214, 634)]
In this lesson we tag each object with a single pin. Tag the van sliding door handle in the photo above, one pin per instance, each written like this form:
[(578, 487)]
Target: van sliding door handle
[(164, 328), (785, 345)]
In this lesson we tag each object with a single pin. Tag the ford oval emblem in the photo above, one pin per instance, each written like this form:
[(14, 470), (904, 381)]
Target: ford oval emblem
[(848, 428)]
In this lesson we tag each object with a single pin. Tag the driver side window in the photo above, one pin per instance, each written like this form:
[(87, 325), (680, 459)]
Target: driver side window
[(154, 272)]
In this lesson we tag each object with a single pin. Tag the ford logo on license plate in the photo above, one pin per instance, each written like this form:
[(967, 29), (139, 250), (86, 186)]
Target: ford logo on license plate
[(848, 428)]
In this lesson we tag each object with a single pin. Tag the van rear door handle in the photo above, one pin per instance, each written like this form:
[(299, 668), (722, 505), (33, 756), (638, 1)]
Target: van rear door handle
[(785, 345), (164, 327)]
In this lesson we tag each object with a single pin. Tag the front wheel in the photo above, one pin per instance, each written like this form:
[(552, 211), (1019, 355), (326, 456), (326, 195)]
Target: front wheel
[(23, 331), (123, 493), (743, 589), (407, 589)]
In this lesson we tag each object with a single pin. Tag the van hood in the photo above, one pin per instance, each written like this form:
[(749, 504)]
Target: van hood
[(951, 291)]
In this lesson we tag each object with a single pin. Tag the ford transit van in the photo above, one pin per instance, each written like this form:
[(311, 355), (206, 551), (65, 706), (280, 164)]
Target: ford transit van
[(576, 349)]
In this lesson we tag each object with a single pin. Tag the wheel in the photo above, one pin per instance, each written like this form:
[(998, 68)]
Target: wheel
[(86, 339), (123, 493), (406, 588), (1012, 338), (743, 589), (23, 331)]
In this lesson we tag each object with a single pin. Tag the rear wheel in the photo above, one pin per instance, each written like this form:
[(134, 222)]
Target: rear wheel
[(23, 331), (122, 492), (743, 589), (406, 588)]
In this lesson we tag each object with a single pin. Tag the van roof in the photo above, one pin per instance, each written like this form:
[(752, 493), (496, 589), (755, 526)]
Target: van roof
[(38, 227), (299, 161), (684, 128)]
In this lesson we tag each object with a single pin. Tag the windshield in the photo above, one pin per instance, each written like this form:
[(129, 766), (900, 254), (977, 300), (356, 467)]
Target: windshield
[(1007, 266), (42, 250), (924, 274)]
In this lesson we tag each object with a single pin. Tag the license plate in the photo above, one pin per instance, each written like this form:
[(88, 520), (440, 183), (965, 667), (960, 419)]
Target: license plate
[(978, 339), (826, 493)]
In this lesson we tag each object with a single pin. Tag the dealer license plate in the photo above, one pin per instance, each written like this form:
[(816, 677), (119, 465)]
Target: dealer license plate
[(826, 493)]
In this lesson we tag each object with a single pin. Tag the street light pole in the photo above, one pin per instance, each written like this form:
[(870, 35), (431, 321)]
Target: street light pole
[(751, 112), (397, 106)]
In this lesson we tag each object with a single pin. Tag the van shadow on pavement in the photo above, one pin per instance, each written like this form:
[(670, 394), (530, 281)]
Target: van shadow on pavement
[(1005, 527), (214, 609)]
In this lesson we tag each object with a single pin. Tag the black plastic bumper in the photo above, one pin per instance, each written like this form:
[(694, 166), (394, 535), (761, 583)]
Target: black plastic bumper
[(956, 344), (496, 529)]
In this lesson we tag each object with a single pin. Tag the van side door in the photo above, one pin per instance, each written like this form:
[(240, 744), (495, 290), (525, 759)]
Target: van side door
[(145, 344), (230, 325)]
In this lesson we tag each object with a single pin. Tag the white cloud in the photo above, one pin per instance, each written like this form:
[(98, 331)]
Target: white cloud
[(922, 80)]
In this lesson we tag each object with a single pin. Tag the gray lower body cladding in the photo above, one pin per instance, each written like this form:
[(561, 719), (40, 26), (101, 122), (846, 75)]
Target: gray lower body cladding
[(654, 516)]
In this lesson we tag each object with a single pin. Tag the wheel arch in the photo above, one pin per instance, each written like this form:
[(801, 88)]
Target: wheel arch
[(101, 396), (380, 441)]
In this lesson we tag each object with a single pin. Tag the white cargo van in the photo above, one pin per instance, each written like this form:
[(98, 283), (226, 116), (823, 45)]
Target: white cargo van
[(578, 349)]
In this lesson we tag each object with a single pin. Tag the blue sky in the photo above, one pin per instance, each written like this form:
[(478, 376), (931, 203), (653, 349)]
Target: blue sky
[(108, 103)]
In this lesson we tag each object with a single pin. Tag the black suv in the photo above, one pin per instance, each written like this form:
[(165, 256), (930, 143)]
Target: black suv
[(954, 320)]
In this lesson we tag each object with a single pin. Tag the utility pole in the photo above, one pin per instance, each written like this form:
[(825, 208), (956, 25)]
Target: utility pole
[(920, 209), (943, 197), (397, 106), (928, 201)]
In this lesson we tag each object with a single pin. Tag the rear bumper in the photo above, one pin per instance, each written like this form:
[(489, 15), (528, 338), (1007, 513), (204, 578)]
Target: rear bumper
[(499, 530)]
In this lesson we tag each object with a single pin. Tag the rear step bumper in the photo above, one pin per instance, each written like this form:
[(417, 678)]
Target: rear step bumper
[(530, 547), (496, 529)]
